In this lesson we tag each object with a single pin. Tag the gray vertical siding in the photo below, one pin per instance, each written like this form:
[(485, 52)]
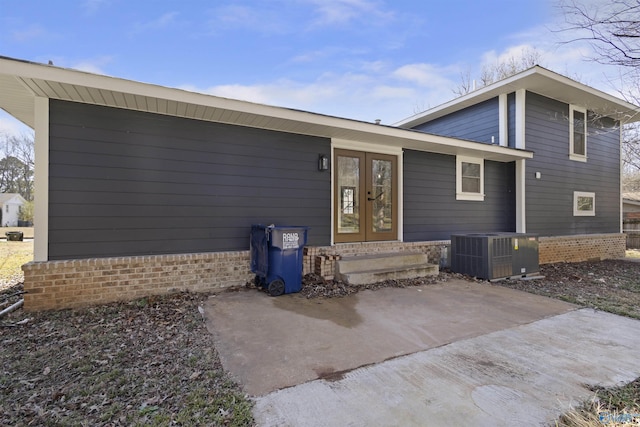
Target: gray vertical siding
[(476, 123), (511, 119), (132, 183), (550, 199), (431, 211)]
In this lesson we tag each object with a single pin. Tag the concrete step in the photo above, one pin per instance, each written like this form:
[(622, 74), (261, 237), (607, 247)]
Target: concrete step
[(360, 270)]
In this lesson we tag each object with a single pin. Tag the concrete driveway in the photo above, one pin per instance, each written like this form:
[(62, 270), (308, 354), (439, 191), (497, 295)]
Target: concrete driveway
[(458, 353)]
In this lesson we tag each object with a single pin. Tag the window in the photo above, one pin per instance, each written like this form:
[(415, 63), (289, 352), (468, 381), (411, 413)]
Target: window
[(578, 134), (584, 204), (469, 178)]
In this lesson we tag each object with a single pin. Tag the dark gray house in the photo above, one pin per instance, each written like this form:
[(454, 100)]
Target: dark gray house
[(142, 189), (571, 186)]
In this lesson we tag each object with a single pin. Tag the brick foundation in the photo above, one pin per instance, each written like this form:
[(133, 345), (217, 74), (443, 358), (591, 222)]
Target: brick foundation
[(581, 248), (77, 283)]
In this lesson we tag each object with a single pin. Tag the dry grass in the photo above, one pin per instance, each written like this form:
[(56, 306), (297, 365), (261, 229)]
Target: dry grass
[(12, 256), (633, 253), (596, 414)]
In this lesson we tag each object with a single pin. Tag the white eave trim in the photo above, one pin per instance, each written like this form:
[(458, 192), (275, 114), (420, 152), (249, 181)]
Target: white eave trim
[(541, 81), (238, 112)]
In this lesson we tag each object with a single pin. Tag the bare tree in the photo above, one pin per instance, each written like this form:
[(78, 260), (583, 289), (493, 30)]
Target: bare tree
[(501, 69), (17, 164), (512, 65), (466, 84), (612, 28)]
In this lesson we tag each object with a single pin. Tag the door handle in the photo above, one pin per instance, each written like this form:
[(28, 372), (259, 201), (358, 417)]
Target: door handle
[(371, 199)]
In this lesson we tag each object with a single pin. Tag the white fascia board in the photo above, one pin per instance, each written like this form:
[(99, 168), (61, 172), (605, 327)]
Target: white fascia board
[(471, 98), (324, 125), (77, 78), (503, 120), (520, 118), (521, 197), (41, 181), (539, 80)]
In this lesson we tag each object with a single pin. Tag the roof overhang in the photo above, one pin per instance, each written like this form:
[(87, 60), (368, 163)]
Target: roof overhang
[(22, 81), (543, 82), (631, 197)]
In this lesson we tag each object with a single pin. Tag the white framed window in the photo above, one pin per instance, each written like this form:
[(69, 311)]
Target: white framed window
[(584, 203), (469, 178), (577, 133)]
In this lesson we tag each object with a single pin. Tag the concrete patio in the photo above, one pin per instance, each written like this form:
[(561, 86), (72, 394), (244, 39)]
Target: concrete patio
[(448, 354)]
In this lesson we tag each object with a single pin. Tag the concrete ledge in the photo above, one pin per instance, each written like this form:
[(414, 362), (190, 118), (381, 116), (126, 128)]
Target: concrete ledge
[(398, 273), (376, 268)]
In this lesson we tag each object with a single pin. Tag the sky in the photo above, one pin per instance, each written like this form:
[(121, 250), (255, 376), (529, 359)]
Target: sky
[(359, 59)]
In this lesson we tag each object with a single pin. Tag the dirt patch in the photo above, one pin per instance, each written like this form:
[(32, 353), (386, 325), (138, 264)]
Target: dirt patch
[(315, 286), (611, 285)]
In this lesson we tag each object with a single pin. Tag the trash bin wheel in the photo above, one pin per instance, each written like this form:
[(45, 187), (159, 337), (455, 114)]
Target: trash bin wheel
[(258, 281), (276, 288)]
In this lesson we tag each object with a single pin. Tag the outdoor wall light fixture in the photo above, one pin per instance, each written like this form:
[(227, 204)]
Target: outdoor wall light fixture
[(323, 162)]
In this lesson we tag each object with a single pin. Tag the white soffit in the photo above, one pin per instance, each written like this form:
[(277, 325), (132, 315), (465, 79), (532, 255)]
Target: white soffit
[(22, 81)]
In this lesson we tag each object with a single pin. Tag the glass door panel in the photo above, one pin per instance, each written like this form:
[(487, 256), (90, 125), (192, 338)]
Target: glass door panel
[(348, 190), (365, 196), (381, 203), (381, 184)]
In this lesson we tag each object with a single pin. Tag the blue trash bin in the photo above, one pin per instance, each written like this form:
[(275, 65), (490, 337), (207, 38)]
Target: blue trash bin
[(276, 257)]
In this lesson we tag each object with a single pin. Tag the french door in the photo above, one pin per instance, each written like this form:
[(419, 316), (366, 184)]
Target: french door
[(365, 196)]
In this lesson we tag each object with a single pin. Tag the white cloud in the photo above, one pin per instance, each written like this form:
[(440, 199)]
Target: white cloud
[(91, 7), (92, 65), (32, 32), (12, 126), (425, 75), (562, 52), (163, 21), (262, 20), (374, 91), (340, 12), (571, 60)]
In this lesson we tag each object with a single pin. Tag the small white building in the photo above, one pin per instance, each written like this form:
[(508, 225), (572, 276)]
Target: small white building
[(10, 204)]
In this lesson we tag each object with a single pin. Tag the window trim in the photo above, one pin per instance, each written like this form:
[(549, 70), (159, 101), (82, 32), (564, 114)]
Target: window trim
[(460, 195), (578, 194), (572, 154)]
